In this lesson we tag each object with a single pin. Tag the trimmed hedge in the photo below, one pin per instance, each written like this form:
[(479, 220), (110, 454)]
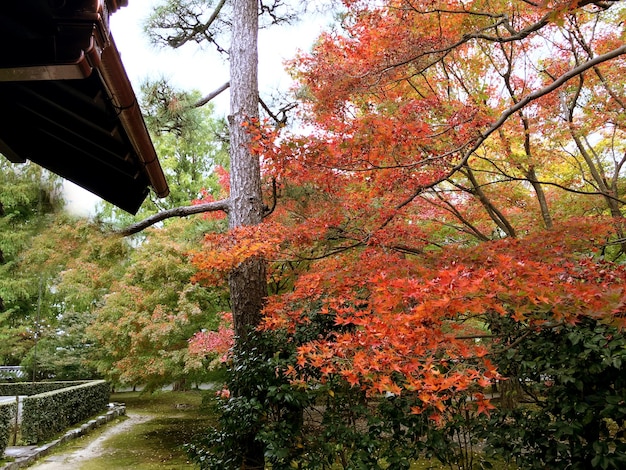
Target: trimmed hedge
[(12, 389), (8, 409), (47, 414)]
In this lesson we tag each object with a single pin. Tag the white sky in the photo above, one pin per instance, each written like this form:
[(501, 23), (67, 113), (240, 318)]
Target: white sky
[(189, 67)]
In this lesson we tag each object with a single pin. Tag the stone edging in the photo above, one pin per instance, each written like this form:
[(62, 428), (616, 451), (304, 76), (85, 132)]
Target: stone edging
[(25, 456)]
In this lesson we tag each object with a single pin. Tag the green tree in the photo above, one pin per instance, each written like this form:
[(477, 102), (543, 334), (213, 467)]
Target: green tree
[(30, 199), (142, 327), (191, 143), (86, 261)]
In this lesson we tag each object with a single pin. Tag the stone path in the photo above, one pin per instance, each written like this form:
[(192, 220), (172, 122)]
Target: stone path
[(73, 459), (26, 456)]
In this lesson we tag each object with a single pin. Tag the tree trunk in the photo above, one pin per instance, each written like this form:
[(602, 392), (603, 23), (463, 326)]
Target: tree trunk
[(247, 282), (246, 206), (180, 385), (531, 175), (498, 217)]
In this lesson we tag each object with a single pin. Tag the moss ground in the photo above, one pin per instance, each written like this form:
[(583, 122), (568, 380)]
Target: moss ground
[(157, 443)]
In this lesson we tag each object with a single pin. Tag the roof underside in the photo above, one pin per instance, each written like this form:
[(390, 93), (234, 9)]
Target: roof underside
[(67, 103)]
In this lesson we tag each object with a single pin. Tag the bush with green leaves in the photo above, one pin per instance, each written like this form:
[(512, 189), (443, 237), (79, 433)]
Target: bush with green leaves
[(345, 428), (456, 439), (297, 426), (260, 409), (49, 413), (34, 388), (8, 410), (563, 405), (570, 411)]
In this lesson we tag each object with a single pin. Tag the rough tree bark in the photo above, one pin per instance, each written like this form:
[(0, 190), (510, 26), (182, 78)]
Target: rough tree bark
[(247, 282)]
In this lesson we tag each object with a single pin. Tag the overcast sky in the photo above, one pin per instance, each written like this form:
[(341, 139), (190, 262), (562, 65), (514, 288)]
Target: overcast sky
[(191, 67)]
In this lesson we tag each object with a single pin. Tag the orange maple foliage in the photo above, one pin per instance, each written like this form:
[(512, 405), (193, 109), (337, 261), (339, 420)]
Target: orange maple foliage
[(421, 321), (206, 196)]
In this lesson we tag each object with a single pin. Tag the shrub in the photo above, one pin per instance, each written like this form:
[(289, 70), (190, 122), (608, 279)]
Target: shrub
[(573, 380), (49, 413), (8, 410), (261, 417), (296, 426), (13, 389)]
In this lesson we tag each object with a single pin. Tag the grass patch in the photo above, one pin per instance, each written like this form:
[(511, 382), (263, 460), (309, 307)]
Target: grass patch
[(161, 402)]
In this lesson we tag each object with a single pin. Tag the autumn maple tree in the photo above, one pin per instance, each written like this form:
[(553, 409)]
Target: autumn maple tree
[(460, 161)]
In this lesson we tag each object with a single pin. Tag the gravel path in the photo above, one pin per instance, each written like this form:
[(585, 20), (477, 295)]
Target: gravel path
[(73, 459)]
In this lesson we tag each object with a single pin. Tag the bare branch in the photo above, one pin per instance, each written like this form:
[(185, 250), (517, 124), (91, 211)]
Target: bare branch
[(184, 211), (210, 96), (278, 11)]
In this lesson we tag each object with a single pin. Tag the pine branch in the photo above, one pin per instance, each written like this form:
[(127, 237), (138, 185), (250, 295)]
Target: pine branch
[(183, 211), (210, 96)]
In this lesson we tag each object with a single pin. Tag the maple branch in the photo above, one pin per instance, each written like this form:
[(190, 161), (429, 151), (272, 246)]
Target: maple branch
[(280, 121), (502, 20), (619, 241), (423, 161), (546, 183), (451, 208), (332, 252), (407, 250), (528, 332), (576, 71), (269, 210), (463, 11), (223, 205), (580, 38), (519, 35), (481, 336), (523, 102), (210, 96)]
